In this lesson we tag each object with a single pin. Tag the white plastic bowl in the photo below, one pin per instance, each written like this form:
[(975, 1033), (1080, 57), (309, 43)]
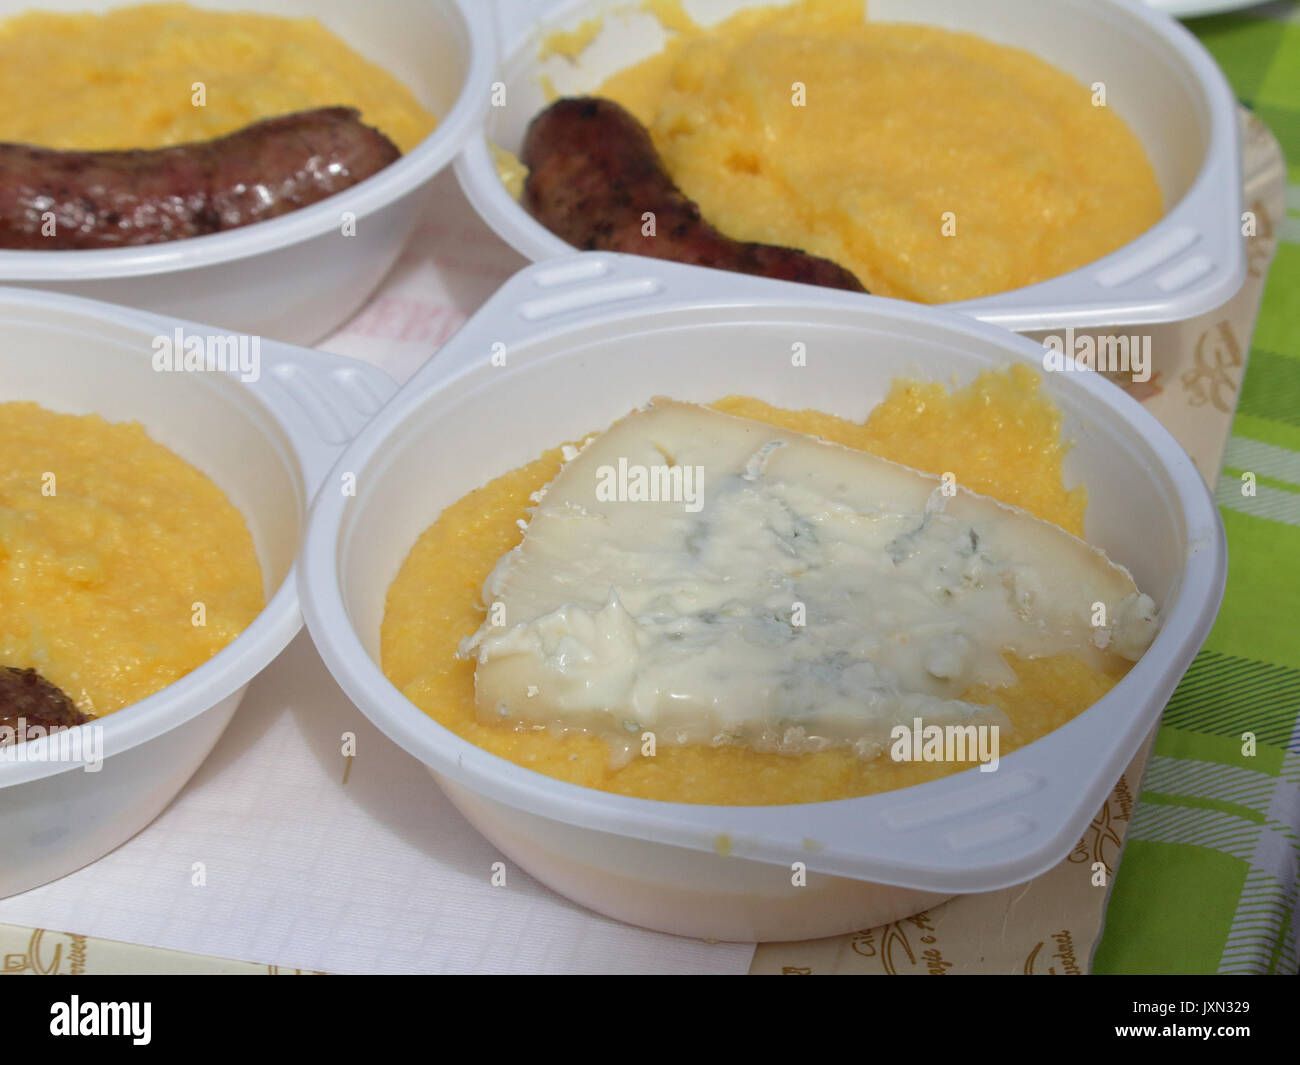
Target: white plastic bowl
[(1158, 78), (296, 278), (266, 444), (590, 337)]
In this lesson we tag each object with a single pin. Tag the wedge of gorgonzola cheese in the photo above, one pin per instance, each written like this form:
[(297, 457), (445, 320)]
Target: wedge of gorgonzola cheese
[(717, 580)]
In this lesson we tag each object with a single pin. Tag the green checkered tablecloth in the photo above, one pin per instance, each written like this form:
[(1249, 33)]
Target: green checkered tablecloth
[(1209, 877)]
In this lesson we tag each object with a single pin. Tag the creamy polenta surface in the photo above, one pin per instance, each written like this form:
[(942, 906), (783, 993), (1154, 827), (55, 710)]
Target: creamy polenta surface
[(934, 165), (128, 78), (1000, 436), (122, 567)]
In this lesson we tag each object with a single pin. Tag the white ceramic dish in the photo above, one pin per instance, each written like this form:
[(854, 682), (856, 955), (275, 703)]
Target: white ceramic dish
[(266, 444), (1158, 77), (590, 337), (296, 278)]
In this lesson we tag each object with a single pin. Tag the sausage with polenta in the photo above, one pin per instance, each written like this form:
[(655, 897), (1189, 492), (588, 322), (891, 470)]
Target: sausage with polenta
[(54, 200), (594, 177), (28, 700)]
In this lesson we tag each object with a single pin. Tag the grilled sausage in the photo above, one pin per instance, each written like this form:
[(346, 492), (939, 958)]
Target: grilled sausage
[(594, 172), (27, 699), (147, 196)]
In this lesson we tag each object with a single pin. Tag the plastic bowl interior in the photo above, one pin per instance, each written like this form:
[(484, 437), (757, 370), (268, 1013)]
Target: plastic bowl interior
[(296, 277), (1158, 78), (591, 337), (266, 444)]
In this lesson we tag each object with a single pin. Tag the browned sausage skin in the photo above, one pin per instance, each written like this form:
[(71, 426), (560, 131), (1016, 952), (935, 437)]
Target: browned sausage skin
[(28, 700), (594, 173), (148, 196)]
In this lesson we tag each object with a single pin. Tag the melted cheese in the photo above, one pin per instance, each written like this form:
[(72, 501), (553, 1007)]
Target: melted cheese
[(717, 580)]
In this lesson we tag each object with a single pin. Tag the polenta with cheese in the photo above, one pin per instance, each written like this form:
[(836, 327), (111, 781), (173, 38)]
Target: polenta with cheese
[(998, 433), (122, 567)]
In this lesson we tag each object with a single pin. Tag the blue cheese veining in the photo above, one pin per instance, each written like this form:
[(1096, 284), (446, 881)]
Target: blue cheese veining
[(716, 580)]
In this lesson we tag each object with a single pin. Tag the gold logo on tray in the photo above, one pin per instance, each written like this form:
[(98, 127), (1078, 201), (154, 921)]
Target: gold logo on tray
[(1124, 798), (1100, 842), (1217, 352), (893, 945), (45, 958), (1063, 954)]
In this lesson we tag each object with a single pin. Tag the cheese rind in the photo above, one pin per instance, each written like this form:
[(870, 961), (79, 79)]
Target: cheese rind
[(713, 579)]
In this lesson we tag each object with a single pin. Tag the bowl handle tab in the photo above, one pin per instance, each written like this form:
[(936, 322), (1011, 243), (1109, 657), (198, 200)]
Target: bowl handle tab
[(321, 400)]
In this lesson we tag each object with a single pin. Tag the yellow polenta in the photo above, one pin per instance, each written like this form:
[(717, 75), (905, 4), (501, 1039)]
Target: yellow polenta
[(935, 165), (127, 79), (999, 436), (111, 548)]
